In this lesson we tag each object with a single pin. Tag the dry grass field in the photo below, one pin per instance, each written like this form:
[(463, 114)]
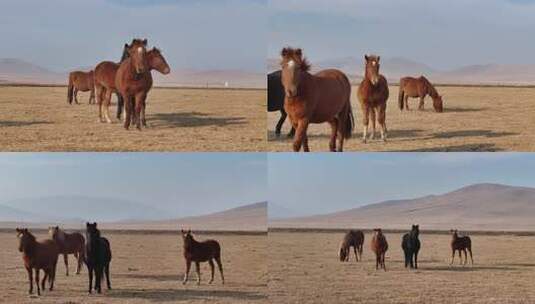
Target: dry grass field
[(39, 119), (475, 119), (304, 268), (148, 268)]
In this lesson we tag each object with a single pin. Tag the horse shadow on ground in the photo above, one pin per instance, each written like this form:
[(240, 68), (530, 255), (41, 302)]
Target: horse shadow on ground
[(467, 268), (173, 295), (457, 148), (154, 277), (193, 119), (473, 133), (10, 123), (463, 110), (354, 136)]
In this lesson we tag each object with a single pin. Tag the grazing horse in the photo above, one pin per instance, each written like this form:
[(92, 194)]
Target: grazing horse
[(97, 257), (355, 239), (418, 87), (315, 98), (411, 245), (373, 94), (104, 77), (205, 251), (379, 247), (157, 62), (69, 243), (460, 243), (38, 255), (276, 100), (80, 81)]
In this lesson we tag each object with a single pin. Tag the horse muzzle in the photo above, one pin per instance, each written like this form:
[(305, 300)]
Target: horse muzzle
[(166, 71)]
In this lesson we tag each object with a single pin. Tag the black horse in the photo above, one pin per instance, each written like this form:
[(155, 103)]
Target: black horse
[(411, 245), (276, 100), (97, 257)]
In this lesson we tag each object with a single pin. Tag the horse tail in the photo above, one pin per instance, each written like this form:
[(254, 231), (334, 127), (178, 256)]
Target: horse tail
[(401, 96), (350, 122), (70, 89)]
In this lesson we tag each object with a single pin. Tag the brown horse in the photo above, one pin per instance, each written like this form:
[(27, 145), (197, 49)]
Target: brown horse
[(80, 81), (379, 247), (69, 243), (460, 243), (205, 251), (355, 239), (418, 87), (104, 77), (157, 62), (373, 94), (315, 98), (38, 255)]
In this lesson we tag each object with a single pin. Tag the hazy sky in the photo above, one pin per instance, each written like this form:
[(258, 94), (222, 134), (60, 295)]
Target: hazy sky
[(442, 34), (187, 184), (203, 34), (321, 183)]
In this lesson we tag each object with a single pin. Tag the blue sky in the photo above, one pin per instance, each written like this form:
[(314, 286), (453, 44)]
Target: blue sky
[(182, 183), (201, 34), (322, 183), (442, 34)]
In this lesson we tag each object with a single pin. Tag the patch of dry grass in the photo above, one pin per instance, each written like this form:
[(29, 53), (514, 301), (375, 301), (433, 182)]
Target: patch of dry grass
[(148, 268), (39, 119), (475, 119), (304, 268)]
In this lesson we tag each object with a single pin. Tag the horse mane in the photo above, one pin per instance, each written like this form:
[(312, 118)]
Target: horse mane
[(432, 91), (296, 55)]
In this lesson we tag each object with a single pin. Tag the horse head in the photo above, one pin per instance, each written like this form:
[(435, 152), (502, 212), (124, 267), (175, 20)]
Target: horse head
[(293, 65), (157, 61), (25, 237), (372, 68), (415, 230), (342, 254), (138, 54), (438, 104)]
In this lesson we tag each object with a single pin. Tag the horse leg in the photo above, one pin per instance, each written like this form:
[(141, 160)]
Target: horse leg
[(280, 123), (52, 277), (139, 102), (90, 274), (211, 270), (120, 105), (355, 251), (198, 270), (300, 134), (30, 278), (471, 257), (416, 259), (377, 260), (107, 272), (143, 120), (100, 90), (421, 105), (92, 95), (37, 281), (465, 257), (381, 117), (127, 111), (383, 261), (372, 120), (79, 260), (186, 275), (220, 266), (107, 103), (66, 260), (406, 101), (306, 148), (43, 281), (452, 256), (76, 95), (460, 257), (365, 121), (334, 132), (98, 281)]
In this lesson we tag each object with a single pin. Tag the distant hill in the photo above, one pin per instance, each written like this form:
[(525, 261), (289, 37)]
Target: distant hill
[(475, 207), (251, 217), (14, 70), (396, 67)]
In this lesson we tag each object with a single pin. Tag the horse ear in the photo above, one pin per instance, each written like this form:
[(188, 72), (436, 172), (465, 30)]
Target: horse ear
[(145, 42), (299, 52), (378, 58), (284, 52), (87, 224), (366, 57), (126, 45)]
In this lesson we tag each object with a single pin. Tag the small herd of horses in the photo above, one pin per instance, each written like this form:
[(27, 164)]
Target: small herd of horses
[(95, 251), (130, 79), (410, 244), (325, 97)]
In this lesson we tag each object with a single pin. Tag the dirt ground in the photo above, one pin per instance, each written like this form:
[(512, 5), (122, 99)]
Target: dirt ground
[(304, 268), (148, 269), (39, 119), (474, 119)]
